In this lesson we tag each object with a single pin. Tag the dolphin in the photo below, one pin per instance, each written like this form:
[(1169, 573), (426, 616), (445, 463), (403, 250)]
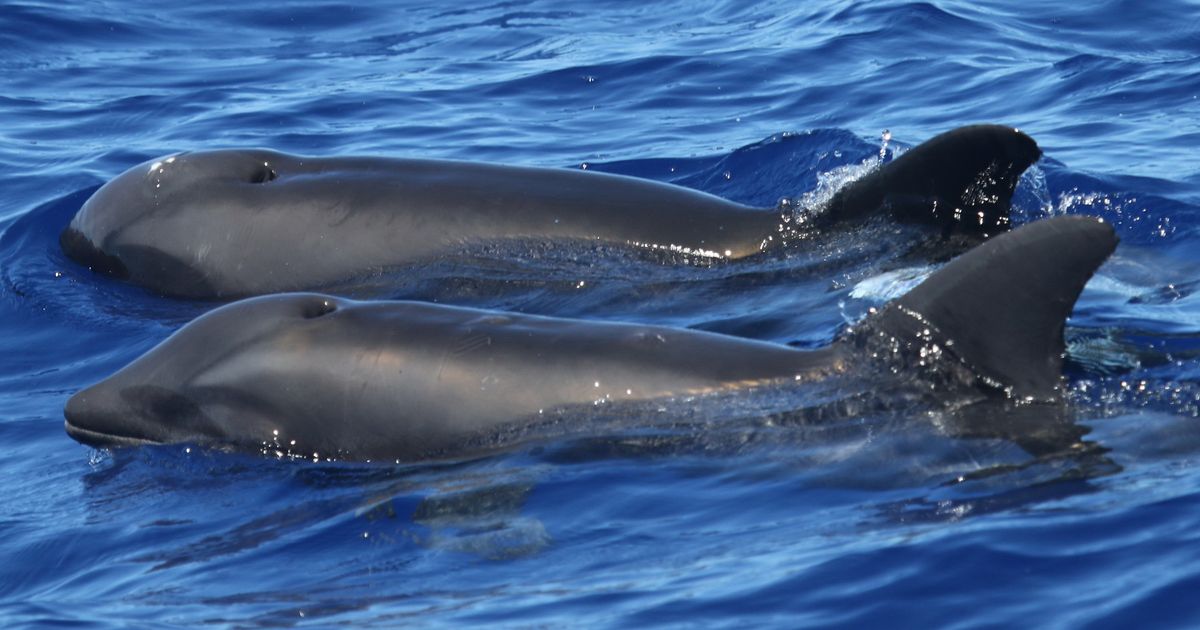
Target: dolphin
[(225, 224), (413, 381)]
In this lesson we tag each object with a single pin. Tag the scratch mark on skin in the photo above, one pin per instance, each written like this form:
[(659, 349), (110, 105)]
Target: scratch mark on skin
[(471, 344)]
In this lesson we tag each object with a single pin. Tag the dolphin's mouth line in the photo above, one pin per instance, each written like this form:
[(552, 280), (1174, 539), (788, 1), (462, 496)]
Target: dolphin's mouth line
[(104, 440)]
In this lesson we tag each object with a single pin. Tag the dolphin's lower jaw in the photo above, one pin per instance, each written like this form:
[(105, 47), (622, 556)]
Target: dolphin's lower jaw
[(77, 246), (186, 280), (104, 440), (95, 425), (100, 417)]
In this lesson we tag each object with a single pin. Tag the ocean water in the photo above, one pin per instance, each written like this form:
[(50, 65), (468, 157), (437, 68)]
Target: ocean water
[(875, 520)]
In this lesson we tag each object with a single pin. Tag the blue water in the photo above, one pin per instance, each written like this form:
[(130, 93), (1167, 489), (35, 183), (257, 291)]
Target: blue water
[(741, 526)]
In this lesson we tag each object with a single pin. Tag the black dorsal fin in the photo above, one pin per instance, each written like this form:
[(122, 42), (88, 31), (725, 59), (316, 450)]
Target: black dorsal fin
[(961, 180), (1002, 305)]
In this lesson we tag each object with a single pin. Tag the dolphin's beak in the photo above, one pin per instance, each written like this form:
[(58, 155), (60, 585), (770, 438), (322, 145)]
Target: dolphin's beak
[(93, 417), (81, 249)]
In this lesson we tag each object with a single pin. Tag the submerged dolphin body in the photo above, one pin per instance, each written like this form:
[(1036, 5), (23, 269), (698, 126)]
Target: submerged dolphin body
[(234, 223), (412, 381)]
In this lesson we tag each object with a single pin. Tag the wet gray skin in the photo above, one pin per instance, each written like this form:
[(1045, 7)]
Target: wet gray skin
[(401, 379), (412, 381), (235, 223)]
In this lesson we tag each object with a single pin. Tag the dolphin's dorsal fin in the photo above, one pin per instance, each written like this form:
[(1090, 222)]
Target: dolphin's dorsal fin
[(1001, 306), (961, 180)]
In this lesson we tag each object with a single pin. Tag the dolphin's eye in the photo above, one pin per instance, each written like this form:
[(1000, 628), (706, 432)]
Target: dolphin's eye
[(317, 308), (262, 174)]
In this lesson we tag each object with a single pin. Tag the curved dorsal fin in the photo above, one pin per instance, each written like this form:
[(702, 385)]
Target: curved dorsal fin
[(961, 180), (1002, 305)]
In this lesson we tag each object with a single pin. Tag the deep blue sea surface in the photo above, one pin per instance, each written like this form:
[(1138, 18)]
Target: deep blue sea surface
[(865, 523)]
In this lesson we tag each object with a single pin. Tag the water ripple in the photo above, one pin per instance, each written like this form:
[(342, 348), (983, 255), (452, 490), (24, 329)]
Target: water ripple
[(763, 516)]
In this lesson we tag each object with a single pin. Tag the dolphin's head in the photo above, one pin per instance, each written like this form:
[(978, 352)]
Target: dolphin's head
[(155, 221), (236, 377)]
